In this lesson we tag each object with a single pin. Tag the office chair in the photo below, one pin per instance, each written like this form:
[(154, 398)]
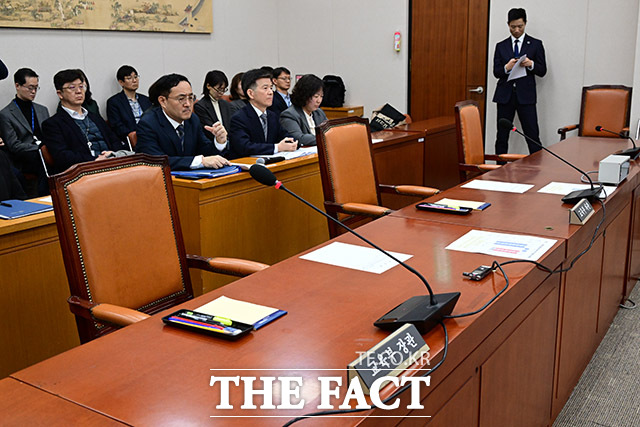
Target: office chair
[(122, 244), (608, 106), (45, 158), (132, 140), (471, 155), (347, 169)]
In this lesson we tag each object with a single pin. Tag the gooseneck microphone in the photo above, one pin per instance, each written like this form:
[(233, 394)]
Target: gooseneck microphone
[(424, 311), (631, 152), (574, 197)]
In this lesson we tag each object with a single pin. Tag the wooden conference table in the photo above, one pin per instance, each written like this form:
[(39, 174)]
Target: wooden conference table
[(508, 365)]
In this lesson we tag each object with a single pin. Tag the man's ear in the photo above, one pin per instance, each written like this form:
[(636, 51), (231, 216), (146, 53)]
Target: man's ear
[(59, 93), (250, 93)]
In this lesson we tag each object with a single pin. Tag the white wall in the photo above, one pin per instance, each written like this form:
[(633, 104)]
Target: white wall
[(350, 38), (586, 42)]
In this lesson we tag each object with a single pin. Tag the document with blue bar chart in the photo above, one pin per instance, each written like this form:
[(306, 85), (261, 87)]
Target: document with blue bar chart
[(503, 245)]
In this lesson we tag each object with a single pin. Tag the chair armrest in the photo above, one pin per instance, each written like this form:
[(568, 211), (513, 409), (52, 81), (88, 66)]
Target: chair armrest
[(563, 131), (365, 209), (506, 157), (410, 190), (485, 167), (625, 132), (231, 266), (105, 313)]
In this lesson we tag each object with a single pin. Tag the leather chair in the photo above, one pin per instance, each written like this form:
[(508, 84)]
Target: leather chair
[(349, 181), (45, 157), (132, 140), (608, 106), (122, 244), (471, 156)]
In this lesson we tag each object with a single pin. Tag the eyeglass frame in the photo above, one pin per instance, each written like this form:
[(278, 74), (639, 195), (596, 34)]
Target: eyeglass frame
[(31, 88), (183, 98), (72, 88)]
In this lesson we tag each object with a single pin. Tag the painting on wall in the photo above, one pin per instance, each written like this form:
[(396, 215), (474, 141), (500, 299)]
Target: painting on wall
[(184, 16)]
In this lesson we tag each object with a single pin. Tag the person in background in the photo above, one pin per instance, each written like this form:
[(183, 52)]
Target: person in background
[(4, 72), (125, 108), (20, 129), (74, 135), (282, 82), (301, 119), (89, 104), (10, 187), (237, 98), (212, 108)]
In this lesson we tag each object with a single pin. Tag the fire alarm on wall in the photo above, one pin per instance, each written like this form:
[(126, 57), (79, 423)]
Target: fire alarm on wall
[(396, 41)]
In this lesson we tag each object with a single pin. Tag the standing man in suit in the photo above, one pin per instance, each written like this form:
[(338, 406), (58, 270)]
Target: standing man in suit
[(282, 83), (518, 95), (20, 127), (212, 108), (125, 108), (171, 129), (74, 135), (254, 129)]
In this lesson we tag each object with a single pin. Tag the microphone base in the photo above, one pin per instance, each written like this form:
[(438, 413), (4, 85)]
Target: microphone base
[(574, 197), (633, 153), (419, 311)]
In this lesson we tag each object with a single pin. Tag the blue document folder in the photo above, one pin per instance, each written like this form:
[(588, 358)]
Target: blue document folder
[(206, 173), (11, 209)]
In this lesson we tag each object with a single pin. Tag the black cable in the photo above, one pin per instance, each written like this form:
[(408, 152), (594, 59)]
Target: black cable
[(393, 395)]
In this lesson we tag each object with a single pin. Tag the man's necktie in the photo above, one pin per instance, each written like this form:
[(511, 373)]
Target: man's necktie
[(180, 132), (516, 51), (263, 119)]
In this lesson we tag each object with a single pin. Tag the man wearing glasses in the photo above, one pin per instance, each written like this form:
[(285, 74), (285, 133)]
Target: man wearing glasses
[(170, 128), (74, 135), (282, 82), (20, 127), (125, 108)]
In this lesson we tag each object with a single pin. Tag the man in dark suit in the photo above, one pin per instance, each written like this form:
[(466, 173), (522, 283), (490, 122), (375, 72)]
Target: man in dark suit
[(254, 129), (212, 108), (518, 95), (10, 187), (125, 108), (171, 129), (74, 135), (282, 82)]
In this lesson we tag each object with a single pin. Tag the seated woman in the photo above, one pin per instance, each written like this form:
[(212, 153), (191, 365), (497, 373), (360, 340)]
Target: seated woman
[(237, 99), (212, 108), (301, 119)]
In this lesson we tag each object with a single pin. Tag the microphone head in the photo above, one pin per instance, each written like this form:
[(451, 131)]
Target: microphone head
[(260, 161), (505, 124), (598, 128), (262, 174)]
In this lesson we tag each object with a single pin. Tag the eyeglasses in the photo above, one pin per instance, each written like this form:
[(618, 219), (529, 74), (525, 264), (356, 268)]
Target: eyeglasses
[(73, 88), (286, 79), (221, 91), (31, 88), (184, 99), (134, 77)]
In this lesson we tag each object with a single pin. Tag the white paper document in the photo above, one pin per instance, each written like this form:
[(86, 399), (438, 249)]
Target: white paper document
[(502, 244), (288, 155), (564, 188), (518, 70), (376, 140), (355, 257), (507, 187)]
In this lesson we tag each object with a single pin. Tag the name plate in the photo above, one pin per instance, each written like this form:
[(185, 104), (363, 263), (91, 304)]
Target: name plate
[(581, 212), (389, 357)]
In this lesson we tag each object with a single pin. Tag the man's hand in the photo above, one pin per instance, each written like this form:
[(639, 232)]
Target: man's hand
[(287, 144), (526, 63), (511, 64), (214, 162), (105, 155), (218, 131), (1, 143)]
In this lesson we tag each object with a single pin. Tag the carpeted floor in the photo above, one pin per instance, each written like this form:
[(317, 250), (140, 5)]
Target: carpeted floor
[(608, 393)]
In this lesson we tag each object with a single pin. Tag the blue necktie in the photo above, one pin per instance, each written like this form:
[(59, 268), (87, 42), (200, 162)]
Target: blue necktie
[(516, 51), (263, 119), (180, 131)]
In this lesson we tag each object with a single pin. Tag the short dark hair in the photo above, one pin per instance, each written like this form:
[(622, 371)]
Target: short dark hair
[(268, 68), (515, 14), (233, 92), (280, 70), (213, 79), (124, 71), (163, 86), (305, 88), (21, 75), (68, 76), (251, 77)]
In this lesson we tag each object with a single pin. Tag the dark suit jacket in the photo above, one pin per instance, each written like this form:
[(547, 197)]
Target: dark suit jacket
[(246, 135), (294, 121), (157, 136), (526, 86), (15, 130), (207, 114), (279, 104), (68, 145), (120, 115), (10, 187)]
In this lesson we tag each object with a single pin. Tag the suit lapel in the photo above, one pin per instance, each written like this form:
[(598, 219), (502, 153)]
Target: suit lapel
[(303, 116), (526, 43), (125, 101), (170, 131), (257, 123), (80, 137), (17, 114)]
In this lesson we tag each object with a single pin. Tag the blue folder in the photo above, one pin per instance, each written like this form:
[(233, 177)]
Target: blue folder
[(11, 209), (206, 173)]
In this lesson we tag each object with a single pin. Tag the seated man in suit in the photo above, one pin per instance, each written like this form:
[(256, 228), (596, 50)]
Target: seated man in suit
[(74, 135), (125, 108), (212, 108), (170, 128), (300, 120), (20, 128), (254, 130), (282, 81)]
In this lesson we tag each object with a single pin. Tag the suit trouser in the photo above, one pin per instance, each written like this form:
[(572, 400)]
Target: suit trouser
[(528, 118)]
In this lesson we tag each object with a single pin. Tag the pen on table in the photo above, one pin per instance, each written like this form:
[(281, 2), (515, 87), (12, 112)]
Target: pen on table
[(6, 205)]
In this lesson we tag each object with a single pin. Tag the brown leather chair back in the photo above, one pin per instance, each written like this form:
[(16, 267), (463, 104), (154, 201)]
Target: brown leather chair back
[(120, 235), (132, 137), (470, 136), (606, 106)]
